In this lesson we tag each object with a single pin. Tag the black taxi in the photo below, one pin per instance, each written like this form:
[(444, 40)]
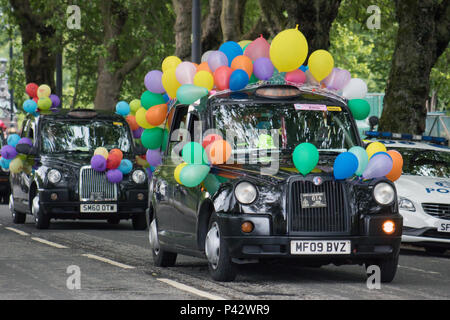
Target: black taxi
[(61, 184), (251, 207), (5, 189)]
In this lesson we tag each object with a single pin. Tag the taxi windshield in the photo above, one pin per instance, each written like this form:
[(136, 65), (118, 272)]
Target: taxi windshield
[(84, 136), (427, 163), (283, 126)]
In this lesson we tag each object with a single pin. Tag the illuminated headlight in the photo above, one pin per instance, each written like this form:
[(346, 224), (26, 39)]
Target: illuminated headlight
[(54, 176), (138, 176), (406, 204), (245, 192), (384, 193)]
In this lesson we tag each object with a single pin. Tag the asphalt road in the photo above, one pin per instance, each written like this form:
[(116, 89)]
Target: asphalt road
[(114, 262)]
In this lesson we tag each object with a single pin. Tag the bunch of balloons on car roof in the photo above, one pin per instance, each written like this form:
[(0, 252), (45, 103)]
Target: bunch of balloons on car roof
[(41, 99)]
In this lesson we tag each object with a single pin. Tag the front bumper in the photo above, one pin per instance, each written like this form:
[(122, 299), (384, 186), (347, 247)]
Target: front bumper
[(427, 236)]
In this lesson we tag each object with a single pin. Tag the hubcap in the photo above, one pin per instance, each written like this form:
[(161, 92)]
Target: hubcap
[(212, 245), (153, 237)]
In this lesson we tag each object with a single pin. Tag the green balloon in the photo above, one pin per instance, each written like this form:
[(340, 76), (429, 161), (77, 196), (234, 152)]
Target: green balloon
[(211, 183), (44, 103), (152, 138), (253, 79), (189, 93), (194, 153), (363, 159), (360, 108), (150, 99), (165, 139), (193, 174), (305, 157)]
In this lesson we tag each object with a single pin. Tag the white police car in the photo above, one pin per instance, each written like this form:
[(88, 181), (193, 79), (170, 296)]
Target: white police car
[(423, 189)]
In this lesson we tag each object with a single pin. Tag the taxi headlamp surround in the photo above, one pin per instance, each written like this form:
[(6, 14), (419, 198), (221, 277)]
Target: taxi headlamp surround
[(245, 192)]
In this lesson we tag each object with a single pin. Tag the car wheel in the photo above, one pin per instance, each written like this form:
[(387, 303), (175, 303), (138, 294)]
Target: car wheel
[(220, 265), (41, 220), (139, 222), (435, 250), (161, 258), (17, 217), (388, 268), (113, 220)]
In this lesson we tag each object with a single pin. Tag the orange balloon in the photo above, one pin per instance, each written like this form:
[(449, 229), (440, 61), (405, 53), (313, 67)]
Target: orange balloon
[(218, 152), (132, 122), (117, 152), (204, 67), (397, 167), (244, 63), (156, 115)]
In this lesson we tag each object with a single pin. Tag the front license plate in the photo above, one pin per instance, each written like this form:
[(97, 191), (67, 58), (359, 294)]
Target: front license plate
[(443, 226), (98, 208), (313, 200), (321, 247)]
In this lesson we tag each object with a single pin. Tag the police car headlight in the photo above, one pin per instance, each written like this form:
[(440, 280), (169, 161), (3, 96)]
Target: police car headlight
[(245, 192), (138, 176), (406, 204), (384, 193), (54, 176)]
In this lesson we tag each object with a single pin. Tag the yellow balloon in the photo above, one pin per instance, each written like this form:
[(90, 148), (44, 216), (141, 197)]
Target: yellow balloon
[(135, 105), (170, 62), (243, 43), (170, 82), (102, 152), (141, 119), (288, 50), (16, 165), (204, 79), (375, 147), (320, 64), (43, 91), (142, 162), (177, 171)]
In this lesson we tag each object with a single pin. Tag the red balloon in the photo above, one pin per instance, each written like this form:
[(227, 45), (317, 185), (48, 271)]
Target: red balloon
[(296, 76), (210, 138), (36, 99), (117, 152), (222, 77), (113, 161), (31, 90)]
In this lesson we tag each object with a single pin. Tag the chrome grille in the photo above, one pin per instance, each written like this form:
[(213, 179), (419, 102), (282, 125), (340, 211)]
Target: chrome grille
[(95, 183), (438, 210)]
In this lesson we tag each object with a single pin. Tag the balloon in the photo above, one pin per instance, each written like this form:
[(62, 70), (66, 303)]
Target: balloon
[(152, 138), (113, 161), (185, 72), (363, 159), (31, 89), (360, 108), (152, 81), (204, 67), (231, 49), (337, 79), (4, 163), (375, 147), (114, 175), (204, 79), (345, 165), (150, 99), (310, 79), (189, 93), (222, 77), (117, 152), (244, 43), (192, 175), (141, 118), (210, 138), (30, 106), (288, 50), (126, 166), (131, 120), (154, 157), (397, 165), (156, 115), (305, 157), (25, 140), (8, 152), (13, 139), (101, 151), (43, 91), (219, 151), (98, 163), (205, 56), (138, 133), (16, 165), (263, 68), (193, 153), (320, 64), (166, 98), (135, 105), (170, 62), (258, 48), (217, 59), (355, 89), (211, 183), (123, 108), (380, 164), (296, 76), (177, 172), (244, 63), (238, 80), (170, 82), (44, 103)]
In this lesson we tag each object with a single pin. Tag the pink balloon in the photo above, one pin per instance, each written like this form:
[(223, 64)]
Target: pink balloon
[(296, 76), (380, 164), (258, 48), (217, 59), (185, 72), (337, 79)]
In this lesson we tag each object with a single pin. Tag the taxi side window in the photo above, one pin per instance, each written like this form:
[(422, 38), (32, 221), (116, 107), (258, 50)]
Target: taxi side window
[(177, 129)]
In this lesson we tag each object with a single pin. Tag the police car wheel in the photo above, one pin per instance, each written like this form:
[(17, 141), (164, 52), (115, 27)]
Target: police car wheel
[(388, 268), (161, 258), (220, 266)]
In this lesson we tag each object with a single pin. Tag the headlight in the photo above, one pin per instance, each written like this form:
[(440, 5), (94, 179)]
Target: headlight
[(245, 192), (54, 176), (406, 204), (384, 193), (138, 176)]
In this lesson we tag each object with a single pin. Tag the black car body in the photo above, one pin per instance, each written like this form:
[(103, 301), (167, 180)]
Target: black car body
[(214, 223), (65, 142), (5, 189)]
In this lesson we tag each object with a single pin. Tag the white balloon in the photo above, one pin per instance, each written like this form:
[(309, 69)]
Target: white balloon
[(206, 55), (310, 79), (355, 89)]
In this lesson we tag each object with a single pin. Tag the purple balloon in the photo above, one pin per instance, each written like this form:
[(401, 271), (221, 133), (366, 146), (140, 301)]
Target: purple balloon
[(8, 152), (380, 164), (55, 100), (98, 163), (217, 59), (137, 133), (153, 81), (114, 175), (25, 141), (154, 157), (149, 173), (263, 68), (337, 79)]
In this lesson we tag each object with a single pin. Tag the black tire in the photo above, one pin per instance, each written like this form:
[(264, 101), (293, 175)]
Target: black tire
[(435, 250), (388, 268), (41, 220), (222, 269), (139, 222), (18, 217), (113, 220), (161, 258)]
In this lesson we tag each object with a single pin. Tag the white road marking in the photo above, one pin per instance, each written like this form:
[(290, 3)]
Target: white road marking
[(189, 289), (17, 231), (52, 244), (114, 263), (419, 270)]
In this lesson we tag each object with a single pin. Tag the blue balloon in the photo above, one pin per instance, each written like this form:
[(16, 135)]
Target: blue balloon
[(345, 165), (13, 140), (166, 97), (125, 166), (238, 80), (30, 106), (123, 108), (304, 68), (232, 50), (4, 163)]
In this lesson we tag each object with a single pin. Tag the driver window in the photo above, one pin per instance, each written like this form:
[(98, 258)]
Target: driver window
[(178, 125)]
